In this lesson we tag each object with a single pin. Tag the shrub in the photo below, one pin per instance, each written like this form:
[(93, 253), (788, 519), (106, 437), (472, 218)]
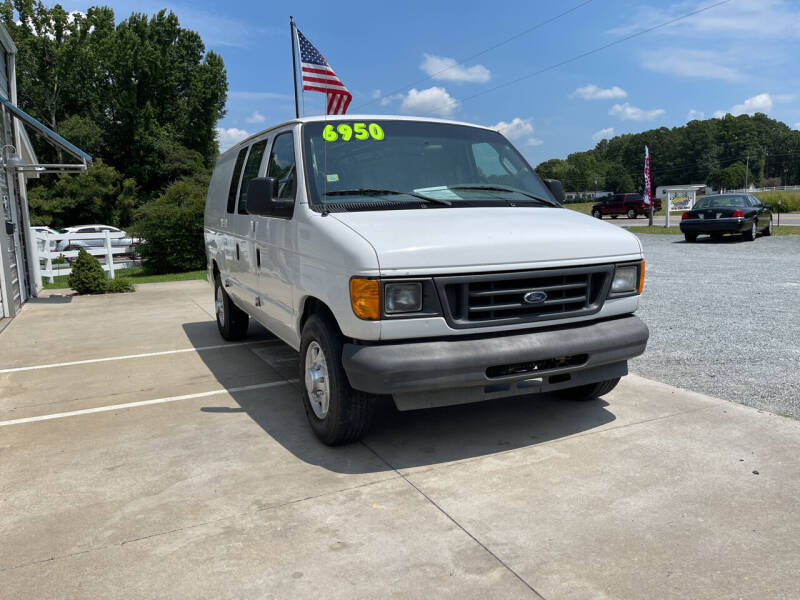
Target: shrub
[(87, 275), (790, 200), (114, 286), (171, 228)]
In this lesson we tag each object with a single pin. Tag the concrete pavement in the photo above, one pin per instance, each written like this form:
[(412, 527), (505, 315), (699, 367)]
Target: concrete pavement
[(162, 462)]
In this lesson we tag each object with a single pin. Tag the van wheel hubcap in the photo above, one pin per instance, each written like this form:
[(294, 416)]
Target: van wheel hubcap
[(317, 380), (220, 306)]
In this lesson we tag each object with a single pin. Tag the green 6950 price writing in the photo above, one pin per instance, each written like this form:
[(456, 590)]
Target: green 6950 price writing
[(357, 131)]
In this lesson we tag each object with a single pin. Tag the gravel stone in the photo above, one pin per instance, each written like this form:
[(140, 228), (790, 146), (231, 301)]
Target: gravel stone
[(724, 318)]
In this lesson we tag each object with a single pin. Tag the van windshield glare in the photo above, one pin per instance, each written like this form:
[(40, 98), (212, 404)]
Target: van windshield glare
[(458, 164)]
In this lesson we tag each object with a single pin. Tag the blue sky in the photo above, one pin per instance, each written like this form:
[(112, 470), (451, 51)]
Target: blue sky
[(402, 58)]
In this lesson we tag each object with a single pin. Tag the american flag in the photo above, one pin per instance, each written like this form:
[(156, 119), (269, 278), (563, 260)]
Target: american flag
[(319, 77)]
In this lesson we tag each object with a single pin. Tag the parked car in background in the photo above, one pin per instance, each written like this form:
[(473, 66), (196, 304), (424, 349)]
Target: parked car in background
[(38, 234), (727, 213), (69, 244), (630, 205)]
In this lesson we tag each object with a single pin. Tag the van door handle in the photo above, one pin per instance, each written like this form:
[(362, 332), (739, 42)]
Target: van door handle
[(237, 251), (258, 257)]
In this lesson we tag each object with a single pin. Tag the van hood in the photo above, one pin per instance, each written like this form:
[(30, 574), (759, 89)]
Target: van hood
[(474, 238)]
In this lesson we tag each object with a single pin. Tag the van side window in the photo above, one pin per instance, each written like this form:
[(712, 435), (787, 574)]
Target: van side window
[(251, 172), (237, 170), (282, 165)]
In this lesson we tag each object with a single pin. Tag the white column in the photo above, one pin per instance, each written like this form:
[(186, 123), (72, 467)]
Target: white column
[(109, 256)]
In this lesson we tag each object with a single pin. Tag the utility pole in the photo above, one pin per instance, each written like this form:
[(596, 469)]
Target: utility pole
[(746, 172)]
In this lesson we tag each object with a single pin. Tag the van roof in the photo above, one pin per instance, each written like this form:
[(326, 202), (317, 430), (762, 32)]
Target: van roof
[(316, 118)]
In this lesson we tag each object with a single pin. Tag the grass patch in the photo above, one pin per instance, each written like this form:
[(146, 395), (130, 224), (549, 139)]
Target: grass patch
[(782, 230), (581, 207), (790, 200), (134, 275)]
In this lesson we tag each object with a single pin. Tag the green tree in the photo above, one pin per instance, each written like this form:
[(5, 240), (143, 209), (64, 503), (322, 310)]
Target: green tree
[(729, 177), (143, 95), (688, 154), (171, 227), (103, 195)]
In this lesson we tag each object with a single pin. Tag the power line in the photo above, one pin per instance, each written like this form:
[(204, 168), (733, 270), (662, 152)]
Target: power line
[(477, 54), (585, 54)]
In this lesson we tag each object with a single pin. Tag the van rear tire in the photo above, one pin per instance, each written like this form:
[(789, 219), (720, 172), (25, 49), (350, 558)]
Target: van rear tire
[(337, 413), (232, 321), (588, 392)]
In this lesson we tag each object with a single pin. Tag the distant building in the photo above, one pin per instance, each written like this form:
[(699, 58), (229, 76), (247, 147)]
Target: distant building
[(19, 262), (586, 196)]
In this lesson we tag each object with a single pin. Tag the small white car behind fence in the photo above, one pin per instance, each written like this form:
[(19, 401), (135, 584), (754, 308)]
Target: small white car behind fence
[(46, 244)]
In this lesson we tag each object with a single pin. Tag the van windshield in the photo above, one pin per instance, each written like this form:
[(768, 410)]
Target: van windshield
[(396, 164)]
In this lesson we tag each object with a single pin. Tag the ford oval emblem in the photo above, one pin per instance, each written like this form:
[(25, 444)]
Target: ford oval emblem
[(536, 297)]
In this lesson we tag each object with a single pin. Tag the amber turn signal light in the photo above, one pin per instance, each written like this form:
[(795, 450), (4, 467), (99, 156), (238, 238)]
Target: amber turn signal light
[(641, 278), (365, 297)]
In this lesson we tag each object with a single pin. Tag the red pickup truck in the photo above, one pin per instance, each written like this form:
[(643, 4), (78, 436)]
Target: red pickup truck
[(630, 205)]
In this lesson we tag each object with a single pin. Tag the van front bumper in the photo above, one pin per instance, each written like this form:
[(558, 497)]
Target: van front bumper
[(454, 371)]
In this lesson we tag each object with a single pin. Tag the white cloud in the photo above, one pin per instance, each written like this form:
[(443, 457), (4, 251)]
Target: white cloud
[(389, 99), (517, 129), (626, 112), (695, 114), (443, 68), (256, 117), (689, 62), (375, 94), (768, 19), (230, 136), (603, 134), (719, 53), (432, 101), (797, 126), (760, 103), (593, 92)]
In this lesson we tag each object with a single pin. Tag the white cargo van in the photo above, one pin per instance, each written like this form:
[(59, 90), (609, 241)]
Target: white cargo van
[(417, 258)]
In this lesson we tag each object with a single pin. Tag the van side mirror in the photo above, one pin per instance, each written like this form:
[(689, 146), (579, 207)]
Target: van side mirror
[(555, 187), (262, 199)]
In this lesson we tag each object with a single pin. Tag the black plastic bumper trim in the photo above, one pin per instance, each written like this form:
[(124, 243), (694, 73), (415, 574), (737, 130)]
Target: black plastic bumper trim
[(455, 363)]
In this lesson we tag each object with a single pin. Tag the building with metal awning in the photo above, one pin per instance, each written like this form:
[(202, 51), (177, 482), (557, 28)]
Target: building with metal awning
[(19, 264)]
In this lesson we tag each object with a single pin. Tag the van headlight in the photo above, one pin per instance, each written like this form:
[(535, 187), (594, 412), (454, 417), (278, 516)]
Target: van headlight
[(628, 279), (405, 297)]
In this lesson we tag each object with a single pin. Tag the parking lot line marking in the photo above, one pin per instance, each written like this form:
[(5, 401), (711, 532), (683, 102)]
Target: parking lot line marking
[(89, 411), (128, 356)]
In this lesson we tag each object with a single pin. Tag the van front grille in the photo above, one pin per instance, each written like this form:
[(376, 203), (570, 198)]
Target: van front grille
[(523, 296)]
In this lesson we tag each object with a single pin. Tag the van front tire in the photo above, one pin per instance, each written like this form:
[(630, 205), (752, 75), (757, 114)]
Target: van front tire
[(231, 320), (337, 413)]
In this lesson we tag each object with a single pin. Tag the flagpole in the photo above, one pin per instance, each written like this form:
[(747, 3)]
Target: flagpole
[(294, 67)]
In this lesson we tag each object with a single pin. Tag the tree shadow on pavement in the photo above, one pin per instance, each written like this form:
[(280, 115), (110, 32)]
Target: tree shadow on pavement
[(401, 440)]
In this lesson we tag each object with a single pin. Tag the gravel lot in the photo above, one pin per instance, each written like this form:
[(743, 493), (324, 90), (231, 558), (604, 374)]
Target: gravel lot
[(724, 318)]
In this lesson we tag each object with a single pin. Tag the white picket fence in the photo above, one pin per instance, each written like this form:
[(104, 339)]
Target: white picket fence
[(782, 188), (46, 247)]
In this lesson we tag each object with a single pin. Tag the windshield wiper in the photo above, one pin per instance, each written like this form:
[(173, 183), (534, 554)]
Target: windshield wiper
[(501, 188), (381, 192)]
